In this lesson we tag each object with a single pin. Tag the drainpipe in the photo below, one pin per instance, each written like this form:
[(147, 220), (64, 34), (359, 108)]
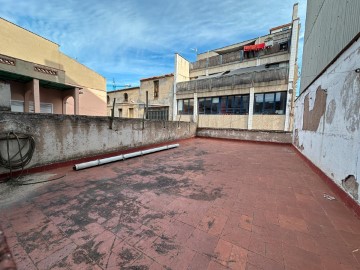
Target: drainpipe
[(98, 162), (147, 105)]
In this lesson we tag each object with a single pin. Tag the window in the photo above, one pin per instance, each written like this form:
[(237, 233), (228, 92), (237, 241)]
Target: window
[(108, 99), (44, 107), (120, 112), (131, 112), (156, 89), (224, 105), (126, 97), (185, 106), (158, 113), (270, 103), (17, 106), (284, 46)]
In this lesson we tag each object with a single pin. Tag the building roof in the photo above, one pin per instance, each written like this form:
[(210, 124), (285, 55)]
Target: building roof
[(279, 27), (157, 77), (125, 89)]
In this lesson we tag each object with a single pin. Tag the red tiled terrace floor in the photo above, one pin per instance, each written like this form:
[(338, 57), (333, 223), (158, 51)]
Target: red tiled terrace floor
[(208, 204)]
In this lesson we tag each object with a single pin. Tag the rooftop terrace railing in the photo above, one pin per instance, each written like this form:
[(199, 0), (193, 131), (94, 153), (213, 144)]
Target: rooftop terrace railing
[(243, 80), (237, 56), (240, 56)]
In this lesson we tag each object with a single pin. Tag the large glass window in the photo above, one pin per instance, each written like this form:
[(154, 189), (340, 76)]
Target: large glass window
[(215, 105), (208, 106), (270, 103), (224, 105), (201, 102), (185, 106)]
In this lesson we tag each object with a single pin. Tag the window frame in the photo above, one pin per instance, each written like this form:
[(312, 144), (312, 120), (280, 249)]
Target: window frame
[(225, 105), (264, 111), (190, 109), (156, 89)]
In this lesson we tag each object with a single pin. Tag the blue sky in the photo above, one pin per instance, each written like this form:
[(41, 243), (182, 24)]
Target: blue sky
[(127, 40)]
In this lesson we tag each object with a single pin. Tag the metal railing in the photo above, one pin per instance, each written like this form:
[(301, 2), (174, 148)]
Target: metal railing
[(240, 56), (234, 81)]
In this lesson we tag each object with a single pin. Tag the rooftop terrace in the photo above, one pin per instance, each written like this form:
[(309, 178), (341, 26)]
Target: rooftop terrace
[(209, 204)]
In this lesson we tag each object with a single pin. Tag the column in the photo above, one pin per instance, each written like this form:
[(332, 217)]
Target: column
[(292, 69), (36, 92), (251, 108), (195, 115), (76, 100)]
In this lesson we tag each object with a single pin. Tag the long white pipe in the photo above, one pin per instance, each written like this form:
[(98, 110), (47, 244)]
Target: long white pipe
[(98, 162)]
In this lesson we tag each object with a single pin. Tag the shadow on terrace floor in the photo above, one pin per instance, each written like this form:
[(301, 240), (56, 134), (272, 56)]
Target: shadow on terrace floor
[(208, 204)]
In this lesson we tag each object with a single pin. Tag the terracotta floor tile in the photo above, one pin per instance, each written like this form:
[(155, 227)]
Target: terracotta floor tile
[(263, 262), (185, 209), (202, 242), (298, 258)]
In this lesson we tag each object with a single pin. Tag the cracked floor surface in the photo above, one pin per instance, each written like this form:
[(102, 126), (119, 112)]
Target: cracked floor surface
[(209, 204)]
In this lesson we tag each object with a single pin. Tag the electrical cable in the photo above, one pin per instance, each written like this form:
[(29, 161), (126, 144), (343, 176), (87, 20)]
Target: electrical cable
[(18, 159), (18, 183)]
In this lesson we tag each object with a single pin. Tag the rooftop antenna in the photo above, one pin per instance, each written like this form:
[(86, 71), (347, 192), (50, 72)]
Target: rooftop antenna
[(114, 85)]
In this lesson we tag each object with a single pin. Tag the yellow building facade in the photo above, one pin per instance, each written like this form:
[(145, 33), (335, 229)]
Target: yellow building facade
[(131, 102), (40, 78)]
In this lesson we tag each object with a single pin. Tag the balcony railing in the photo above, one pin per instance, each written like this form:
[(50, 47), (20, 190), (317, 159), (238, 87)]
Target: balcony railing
[(240, 56), (251, 79)]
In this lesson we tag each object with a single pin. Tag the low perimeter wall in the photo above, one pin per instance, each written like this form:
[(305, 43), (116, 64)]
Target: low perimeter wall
[(246, 135), (60, 138)]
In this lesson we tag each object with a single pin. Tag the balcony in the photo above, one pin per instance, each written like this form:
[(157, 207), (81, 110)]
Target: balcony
[(280, 45), (243, 80)]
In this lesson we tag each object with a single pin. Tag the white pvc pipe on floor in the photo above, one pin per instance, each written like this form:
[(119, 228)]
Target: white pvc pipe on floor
[(98, 162)]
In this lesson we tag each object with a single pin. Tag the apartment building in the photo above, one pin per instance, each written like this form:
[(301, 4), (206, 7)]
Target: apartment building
[(248, 85), (36, 77), (131, 102)]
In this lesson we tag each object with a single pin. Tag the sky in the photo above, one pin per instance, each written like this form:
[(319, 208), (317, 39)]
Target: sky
[(126, 40)]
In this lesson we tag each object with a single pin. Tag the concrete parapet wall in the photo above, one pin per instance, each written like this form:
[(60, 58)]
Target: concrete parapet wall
[(246, 135), (61, 138), (327, 121)]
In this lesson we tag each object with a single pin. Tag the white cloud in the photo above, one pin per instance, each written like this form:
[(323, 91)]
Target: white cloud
[(139, 37)]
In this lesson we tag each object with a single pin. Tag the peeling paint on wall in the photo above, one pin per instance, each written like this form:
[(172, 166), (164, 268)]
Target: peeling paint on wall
[(350, 94), (330, 111), (351, 186), (312, 118)]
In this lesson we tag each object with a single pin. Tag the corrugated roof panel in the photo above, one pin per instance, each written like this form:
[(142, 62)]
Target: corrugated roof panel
[(330, 26)]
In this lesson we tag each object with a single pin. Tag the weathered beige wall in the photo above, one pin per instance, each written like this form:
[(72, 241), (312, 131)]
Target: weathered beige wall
[(61, 138), (133, 102), (182, 68), (246, 135), (223, 121), (166, 86), (268, 122), (20, 43), (78, 74)]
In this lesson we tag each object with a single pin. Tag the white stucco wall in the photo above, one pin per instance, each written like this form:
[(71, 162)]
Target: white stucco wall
[(334, 146)]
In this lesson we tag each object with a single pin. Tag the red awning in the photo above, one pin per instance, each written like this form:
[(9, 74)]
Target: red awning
[(256, 47)]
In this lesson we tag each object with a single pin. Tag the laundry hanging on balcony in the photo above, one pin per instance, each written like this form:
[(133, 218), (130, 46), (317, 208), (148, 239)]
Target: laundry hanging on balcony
[(256, 47)]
